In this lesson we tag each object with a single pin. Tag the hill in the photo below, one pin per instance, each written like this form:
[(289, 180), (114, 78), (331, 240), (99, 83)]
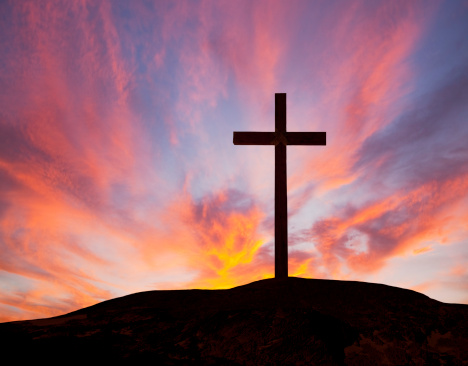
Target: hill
[(291, 321)]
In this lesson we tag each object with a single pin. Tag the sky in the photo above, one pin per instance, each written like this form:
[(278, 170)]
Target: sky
[(118, 173)]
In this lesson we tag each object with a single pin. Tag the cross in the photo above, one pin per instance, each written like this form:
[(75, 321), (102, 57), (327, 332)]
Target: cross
[(280, 138)]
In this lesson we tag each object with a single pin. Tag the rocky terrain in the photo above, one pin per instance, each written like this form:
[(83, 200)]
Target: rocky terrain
[(292, 321)]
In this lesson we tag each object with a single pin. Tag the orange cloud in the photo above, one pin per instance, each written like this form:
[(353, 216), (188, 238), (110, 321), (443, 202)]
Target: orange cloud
[(364, 238), (422, 250), (67, 149), (224, 238)]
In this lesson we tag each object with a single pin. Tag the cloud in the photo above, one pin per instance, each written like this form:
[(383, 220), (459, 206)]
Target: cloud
[(364, 74), (423, 144), (361, 239), (67, 140), (224, 229)]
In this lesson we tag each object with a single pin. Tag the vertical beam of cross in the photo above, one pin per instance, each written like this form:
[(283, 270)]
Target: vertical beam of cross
[(281, 200), (280, 138)]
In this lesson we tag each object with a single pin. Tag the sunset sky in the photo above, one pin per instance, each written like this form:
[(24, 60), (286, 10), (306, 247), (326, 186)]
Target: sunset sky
[(118, 173)]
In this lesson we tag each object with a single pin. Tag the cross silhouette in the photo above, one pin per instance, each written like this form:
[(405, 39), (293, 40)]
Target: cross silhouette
[(280, 138)]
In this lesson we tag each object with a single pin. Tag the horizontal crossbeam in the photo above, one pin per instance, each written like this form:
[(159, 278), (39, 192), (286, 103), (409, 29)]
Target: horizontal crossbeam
[(270, 138)]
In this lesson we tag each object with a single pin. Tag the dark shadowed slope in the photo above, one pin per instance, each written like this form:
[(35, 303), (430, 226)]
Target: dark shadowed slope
[(275, 321)]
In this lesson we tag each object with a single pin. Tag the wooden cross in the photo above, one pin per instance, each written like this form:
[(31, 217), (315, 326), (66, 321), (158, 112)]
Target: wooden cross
[(280, 138)]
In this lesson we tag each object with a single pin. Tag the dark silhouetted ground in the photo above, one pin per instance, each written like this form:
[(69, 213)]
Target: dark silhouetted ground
[(289, 321)]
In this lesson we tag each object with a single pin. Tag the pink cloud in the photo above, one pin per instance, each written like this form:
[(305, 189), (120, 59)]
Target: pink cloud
[(364, 238), (368, 55)]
